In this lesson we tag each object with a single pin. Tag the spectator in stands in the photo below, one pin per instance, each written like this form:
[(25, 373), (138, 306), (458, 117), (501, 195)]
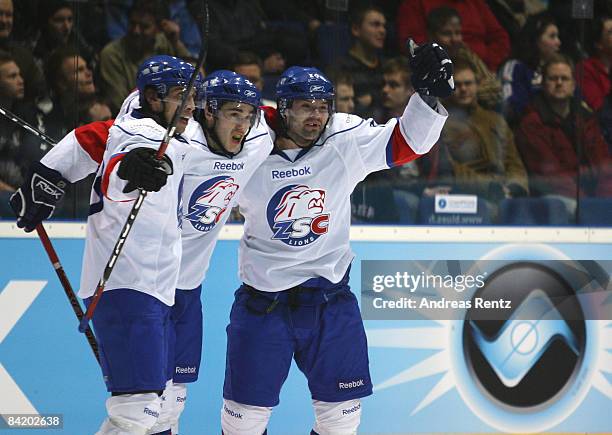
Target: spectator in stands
[(481, 31), (480, 145), (376, 198), (560, 140), (72, 90), (512, 14), (605, 117), (56, 29), (444, 27), (397, 88), (149, 33), (250, 65), (95, 109), (32, 75), (594, 72), (521, 76), (241, 25), (16, 146), (186, 13), (364, 62), (345, 94)]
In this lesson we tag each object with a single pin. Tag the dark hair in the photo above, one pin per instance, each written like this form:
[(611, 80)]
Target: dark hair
[(340, 77), (398, 65), (461, 64), (247, 58), (6, 57), (558, 58), (156, 8), (525, 48), (358, 14), (439, 17), (48, 8), (595, 33), (53, 66), (84, 116)]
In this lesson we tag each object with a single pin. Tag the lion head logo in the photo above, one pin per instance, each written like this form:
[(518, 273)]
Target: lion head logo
[(301, 201)]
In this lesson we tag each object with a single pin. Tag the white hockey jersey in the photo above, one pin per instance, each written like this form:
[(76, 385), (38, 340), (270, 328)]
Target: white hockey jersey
[(212, 185), (297, 213), (150, 258)]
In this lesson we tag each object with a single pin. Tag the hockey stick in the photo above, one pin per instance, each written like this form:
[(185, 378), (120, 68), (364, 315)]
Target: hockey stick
[(46, 241), (127, 227), (23, 124), (61, 274)]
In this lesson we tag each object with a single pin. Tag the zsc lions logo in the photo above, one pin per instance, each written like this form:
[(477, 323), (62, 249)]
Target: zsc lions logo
[(295, 215), (209, 201)]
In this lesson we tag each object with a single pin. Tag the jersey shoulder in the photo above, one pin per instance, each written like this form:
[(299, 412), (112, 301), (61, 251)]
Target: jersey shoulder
[(340, 125), (145, 129)]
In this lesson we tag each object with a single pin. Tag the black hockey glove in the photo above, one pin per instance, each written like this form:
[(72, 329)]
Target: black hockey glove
[(35, 201), (143, 171), (432, 70)]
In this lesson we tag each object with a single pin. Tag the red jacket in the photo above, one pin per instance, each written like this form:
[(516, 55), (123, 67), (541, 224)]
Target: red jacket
[(594, 81), (481, 31), (546, 143)]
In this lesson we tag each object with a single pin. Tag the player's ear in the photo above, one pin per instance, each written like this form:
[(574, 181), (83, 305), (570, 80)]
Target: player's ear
[(151, 97)]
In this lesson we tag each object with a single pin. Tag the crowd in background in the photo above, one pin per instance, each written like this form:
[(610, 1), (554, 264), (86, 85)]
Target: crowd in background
[(529, 133)]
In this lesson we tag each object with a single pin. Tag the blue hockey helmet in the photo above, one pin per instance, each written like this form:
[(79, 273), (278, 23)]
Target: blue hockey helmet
[(225, 85), (163, 72), (303, 83)]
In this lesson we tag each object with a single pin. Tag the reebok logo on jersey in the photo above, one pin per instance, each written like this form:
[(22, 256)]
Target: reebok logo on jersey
[(351, 384), (185, 370), (232, 413), (151, 412), (228, 166), (351, 410), (289, 173)]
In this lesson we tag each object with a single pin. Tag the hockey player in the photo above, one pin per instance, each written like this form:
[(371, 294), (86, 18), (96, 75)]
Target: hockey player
[(295, 258), (228, 147), (233, 145), (131, 319)]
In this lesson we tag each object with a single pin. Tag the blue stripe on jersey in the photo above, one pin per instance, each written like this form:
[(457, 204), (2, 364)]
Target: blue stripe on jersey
[(389, 148), (305, 150), (341, 131), (255, 137), (177, 137), (137, 134)]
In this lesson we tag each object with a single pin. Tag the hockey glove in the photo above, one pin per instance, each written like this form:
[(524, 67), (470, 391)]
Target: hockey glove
[(432, 70), (143, 171), (35, 201)]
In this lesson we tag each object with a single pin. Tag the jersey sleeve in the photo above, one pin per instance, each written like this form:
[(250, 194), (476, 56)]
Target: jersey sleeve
[(397, 142), (80, 152), (123, 139)]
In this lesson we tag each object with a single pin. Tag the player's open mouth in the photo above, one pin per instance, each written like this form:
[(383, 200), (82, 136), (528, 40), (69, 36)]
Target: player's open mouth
[(236, 138)]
